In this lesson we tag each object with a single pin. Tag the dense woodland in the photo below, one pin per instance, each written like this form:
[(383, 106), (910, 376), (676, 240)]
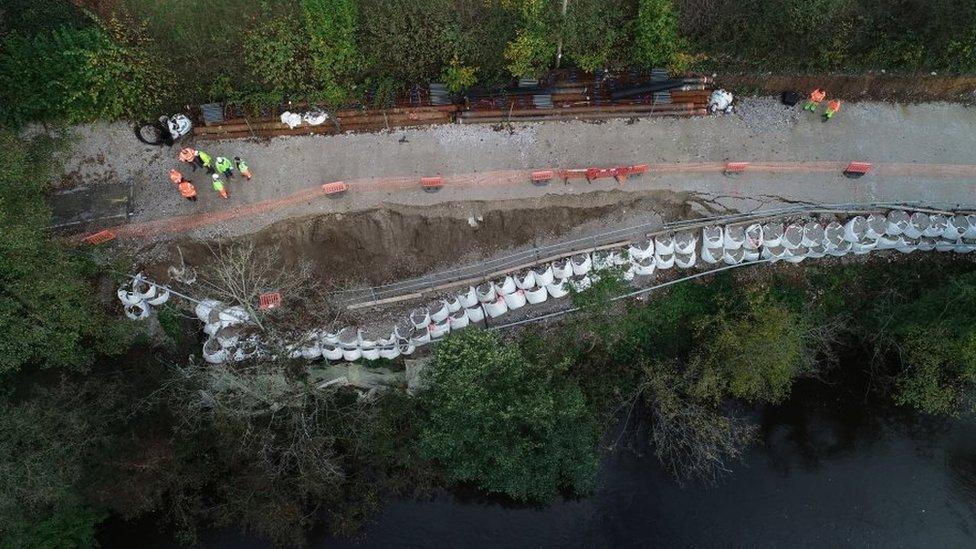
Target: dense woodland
[(103, 417), (106, 418), (135, 58)]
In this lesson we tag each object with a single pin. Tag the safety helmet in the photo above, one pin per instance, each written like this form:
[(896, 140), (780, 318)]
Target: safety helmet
[(215, 176)]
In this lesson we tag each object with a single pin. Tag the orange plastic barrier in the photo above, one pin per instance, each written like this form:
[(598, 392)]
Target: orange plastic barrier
[(336, 187), (857, 169), (543, 175), (269, 300), (432, 182), (100, 237), (735, 167)]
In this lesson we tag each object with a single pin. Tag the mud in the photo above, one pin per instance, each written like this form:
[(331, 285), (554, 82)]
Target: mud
[(392, 243)]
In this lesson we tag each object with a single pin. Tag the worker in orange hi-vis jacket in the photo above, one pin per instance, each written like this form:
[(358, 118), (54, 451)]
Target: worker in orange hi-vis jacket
[(187, 190), (816, 97), (832, 107)]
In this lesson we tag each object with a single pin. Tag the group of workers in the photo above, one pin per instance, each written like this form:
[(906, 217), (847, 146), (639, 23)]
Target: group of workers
[(817, 97), (222, 166)]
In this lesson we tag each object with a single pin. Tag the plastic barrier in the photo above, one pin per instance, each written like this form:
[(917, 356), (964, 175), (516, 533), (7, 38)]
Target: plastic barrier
[(335, 188), (857, 169), (432, 183), (732, 168), (543, 176), (100, 237)]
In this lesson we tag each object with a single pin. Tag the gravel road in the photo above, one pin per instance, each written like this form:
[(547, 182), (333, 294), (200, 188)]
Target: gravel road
[(108, 167)]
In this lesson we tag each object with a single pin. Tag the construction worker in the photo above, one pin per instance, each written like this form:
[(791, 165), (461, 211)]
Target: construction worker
[(224, 167), (189, 156), (832, 107), (218, 185), (187, 190), (205, 161), (242, 167), (816, 97)]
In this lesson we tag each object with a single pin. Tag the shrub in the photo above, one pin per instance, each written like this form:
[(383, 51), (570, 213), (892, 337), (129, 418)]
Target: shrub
[(458, 77), (594, 31), (656, 41), (507, 424), (332, 26), (79, 75), (277, 56)]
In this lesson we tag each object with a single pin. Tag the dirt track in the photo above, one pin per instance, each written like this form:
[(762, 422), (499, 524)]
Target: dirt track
[(486, 168)]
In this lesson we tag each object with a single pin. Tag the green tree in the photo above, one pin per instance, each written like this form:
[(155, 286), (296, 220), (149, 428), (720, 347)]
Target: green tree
[(49, 315), (756, 353), (594, 32), (277, 57), (656, 40), (509, 425), (332, 26)]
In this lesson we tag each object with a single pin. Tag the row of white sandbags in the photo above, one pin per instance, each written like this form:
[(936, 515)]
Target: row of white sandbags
[(140, 297)]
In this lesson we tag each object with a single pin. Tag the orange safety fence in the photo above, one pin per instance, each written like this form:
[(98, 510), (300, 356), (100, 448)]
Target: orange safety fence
[(506, 178)]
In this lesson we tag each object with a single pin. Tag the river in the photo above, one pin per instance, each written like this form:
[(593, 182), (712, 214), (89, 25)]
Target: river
[(830, 468)]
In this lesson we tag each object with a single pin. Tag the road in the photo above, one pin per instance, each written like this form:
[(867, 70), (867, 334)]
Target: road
[(921, 152)]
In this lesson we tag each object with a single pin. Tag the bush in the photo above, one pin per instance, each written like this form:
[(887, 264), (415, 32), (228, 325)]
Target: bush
[(80, 75), (506, 424), (278, 58), (49, 314), (594, 33), (656, 41), (332, 26), (406, 41)]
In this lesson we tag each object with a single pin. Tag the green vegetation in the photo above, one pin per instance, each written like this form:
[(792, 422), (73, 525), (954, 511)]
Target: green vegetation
[(505, 423), (48, 310)]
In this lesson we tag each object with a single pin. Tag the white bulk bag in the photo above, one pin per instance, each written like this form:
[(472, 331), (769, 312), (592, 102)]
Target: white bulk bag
[(685, 242), (475, 314), (525, 282), (536, 295), (469, 298), (813, 234), (515, 300), (544, 277), (581, 264), (897, 222), (772, 234), (439, 312), (496, 308), (507, 286), (664, 244), (459, 320), (712, 255), (558, 289), (486, 292), (420, 317), (792, 236), (665, 261), (877, 226), (713, 237), (855, 228)]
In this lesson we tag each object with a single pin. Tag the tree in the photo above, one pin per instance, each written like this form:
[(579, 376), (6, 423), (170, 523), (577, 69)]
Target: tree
[(656, 41), (49, 315), (594, 32), (332, 26), (756, 353), (504, 423)]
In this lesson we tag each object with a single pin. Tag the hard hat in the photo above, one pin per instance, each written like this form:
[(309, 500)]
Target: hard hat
[(215, 176), (175, 175)]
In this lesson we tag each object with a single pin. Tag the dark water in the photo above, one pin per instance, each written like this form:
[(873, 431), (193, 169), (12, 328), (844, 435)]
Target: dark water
[(830, 469)]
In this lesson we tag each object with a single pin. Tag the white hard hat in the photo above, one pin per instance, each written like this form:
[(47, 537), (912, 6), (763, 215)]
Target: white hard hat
[(215, 176)]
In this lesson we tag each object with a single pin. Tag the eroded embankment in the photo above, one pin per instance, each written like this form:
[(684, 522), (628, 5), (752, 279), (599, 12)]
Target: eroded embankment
[(395, 242)]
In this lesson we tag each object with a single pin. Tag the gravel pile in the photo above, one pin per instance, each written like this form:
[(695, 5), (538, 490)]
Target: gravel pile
[(762, 114)]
